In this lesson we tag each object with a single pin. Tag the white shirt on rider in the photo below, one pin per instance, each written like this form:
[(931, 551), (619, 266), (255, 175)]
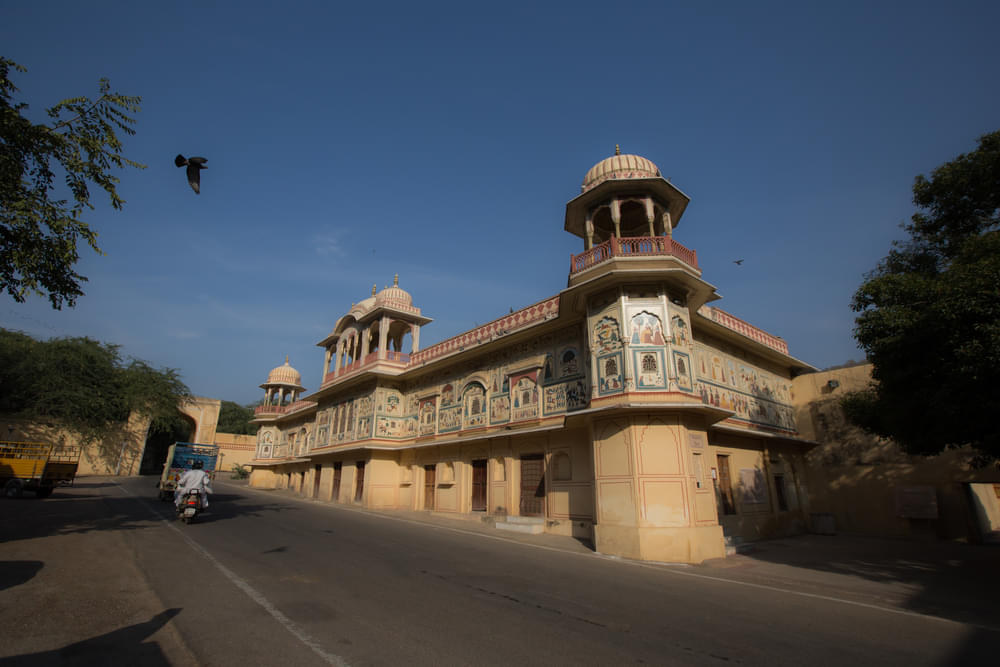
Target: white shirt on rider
[(194, 479)]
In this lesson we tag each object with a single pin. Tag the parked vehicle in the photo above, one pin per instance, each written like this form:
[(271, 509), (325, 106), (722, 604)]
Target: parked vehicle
[(180, 458), (191, 504), (36, 466)]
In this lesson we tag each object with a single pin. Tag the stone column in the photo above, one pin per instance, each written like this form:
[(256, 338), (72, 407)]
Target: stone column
[(616, 216), (650, 215), (383, 336)]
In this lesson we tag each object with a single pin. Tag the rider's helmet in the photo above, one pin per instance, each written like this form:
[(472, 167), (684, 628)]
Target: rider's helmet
[(197, 465)]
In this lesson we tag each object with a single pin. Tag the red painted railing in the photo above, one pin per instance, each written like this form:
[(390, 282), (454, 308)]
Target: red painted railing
[(637, 246), (280, 409), (750, 331), (372, 357), (502, 326)]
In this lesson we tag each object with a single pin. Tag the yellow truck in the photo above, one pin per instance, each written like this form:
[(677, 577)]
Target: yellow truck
[(36, 466)]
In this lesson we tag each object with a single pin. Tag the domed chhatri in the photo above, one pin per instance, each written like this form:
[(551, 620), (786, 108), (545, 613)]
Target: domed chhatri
[(394, 295), (619, 166), (284, 374), (624, 196)]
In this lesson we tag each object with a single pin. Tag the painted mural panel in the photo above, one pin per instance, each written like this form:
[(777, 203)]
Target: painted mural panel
[(569, 363), (525, 397), (680, 329), (755, 395), (474, 402), (646, 328), (682, 371), (450, 419), (428, 416), (395, 427), (649, 369), (499, 409), (607, 335), (609, 374)]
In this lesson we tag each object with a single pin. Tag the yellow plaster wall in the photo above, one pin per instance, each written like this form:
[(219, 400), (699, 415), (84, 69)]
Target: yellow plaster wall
[(119, 453), (381, 481), (860, 479)]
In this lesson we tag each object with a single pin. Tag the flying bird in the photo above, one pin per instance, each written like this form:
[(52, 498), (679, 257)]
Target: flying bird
[(737, 262), (194, 167)]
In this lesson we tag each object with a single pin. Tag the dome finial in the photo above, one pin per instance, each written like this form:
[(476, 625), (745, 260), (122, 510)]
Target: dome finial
[(286, 359), (395, 280), (618, 151), (374, 287)]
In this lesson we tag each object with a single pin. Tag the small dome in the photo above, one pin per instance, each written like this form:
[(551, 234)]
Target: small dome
[(394, 295), (619, 166), (284, 375)]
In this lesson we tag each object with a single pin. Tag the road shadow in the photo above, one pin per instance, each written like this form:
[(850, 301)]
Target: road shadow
[(16, 572), (951, 580), (127, 646), (83, 509)]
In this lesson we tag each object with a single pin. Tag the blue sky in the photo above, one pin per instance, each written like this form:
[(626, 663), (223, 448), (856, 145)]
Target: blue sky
[(441, 141)]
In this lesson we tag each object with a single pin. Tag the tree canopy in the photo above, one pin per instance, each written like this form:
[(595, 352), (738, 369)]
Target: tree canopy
[(82, 384), (929, 315), (235, 418), (39, 231)]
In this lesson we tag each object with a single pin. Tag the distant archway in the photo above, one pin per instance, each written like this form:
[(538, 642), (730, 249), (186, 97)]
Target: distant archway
[(197, 420)]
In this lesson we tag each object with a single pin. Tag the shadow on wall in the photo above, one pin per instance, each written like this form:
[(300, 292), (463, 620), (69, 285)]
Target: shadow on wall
[(116, 452), (871, 487)]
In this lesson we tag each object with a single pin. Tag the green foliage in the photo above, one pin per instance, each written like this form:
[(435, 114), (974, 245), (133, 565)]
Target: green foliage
[(82, 384), (240, 472), (235, 418), (38, 230), (929, 316)]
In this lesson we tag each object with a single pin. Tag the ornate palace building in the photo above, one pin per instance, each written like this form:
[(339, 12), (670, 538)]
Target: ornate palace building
[(624, 409)]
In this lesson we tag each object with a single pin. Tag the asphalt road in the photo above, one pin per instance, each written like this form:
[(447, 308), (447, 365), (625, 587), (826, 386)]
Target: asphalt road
[(101, 573)]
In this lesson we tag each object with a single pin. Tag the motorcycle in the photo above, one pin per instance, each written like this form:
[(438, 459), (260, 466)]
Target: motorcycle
[(191, 504)]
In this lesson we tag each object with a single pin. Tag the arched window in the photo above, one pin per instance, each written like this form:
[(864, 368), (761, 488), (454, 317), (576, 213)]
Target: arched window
[(649, 363)]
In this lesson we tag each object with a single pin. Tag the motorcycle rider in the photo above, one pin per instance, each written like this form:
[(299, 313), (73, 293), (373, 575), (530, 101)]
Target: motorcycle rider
[(195, 478)]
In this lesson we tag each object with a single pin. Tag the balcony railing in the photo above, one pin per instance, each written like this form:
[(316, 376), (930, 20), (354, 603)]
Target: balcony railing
[(280, 409), (739, 326), (637, 246), (391, 356)]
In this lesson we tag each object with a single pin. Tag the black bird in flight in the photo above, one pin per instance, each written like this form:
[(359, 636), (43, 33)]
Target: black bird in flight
[(194, 167), (737, 262)]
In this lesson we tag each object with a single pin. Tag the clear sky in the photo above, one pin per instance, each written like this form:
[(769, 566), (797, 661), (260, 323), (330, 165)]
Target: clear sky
[(348, 142)]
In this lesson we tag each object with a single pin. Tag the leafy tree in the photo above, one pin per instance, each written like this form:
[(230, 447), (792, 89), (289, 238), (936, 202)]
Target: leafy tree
[(83, 385), (38, 230), (929, 316), (235, 418)]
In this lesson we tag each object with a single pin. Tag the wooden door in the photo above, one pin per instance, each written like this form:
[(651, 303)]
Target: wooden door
[(479, 485), (532, 485), (359, 489), (429, 484), (337, 471), (724, 486)]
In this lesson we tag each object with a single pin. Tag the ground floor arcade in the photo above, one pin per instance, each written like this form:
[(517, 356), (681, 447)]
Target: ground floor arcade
[(639, 487)]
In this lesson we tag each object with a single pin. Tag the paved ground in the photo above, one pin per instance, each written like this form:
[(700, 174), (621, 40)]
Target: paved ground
[(85, 594), (947, 579)]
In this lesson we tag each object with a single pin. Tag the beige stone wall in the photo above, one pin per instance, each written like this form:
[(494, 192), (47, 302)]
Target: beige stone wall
[(756, 465), (647, 494), (234, 450), (118, 453), (868, 484)]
